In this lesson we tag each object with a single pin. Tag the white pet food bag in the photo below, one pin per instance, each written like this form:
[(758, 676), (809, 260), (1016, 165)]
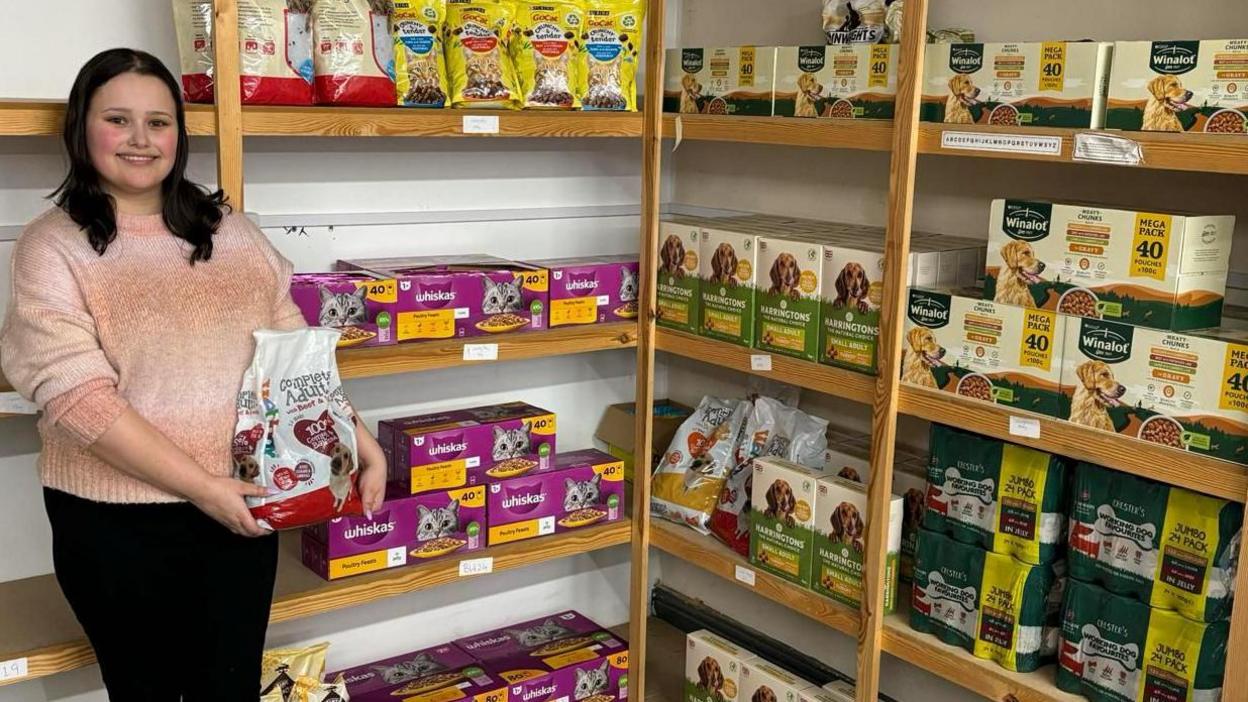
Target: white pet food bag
[(353, 54), (687, 483), (192, 22), (295, 433)]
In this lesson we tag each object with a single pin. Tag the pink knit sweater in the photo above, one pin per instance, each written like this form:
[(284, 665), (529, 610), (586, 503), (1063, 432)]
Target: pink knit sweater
[(87, 336)]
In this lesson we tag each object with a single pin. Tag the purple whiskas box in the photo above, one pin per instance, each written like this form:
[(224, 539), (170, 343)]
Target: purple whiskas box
[(584, 488), (437, 674), (466, 447), (446, 297), (361, 305), (407, 529), (592, 290)]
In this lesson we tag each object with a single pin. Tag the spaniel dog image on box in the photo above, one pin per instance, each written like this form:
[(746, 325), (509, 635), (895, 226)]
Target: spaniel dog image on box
[(711, 677), (672, 256), (1167, 98), (847, 526), (785, 276), (1097, 390), (922, 355), (850, 474), (690, 93), (1020, 271), (809, 93), (763, 694), (963, 95), (781, 503), (853, 288), (724, 265), (341, 464)]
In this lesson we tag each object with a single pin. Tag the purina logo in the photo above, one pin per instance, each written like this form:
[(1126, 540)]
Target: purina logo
[(1174, 57), (811, 59), (1027, 221), (966, 58), (929, 310), (691, 60), (1105, 341)]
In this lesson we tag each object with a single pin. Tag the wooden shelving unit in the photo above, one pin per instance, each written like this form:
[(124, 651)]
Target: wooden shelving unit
[(39, 626), (869, 135)]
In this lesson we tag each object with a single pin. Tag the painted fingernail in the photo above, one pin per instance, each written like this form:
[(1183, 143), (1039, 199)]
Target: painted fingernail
[(368, 514)]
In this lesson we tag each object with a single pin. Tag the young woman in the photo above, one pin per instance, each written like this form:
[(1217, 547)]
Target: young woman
[(134, 302)]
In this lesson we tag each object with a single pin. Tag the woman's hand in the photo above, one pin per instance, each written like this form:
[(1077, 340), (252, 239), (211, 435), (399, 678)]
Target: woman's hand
[(222, 499), (373, 471)]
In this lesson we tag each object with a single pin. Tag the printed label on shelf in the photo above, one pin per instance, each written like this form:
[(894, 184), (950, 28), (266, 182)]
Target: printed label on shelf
[(476, 566), (1002, 143), (14, 668), (1108, 148), (480, 124), (12, 403), (745, 575), (480, 352), (760, 362), (1025, 427)]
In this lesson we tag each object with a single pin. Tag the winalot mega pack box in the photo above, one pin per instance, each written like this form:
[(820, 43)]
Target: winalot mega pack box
[(1178, 390), (984, 350), (712, 668), (592, 290), (789, 287), (1179, 86), (679, 304), (1115, 649), (996, 495), (360, 305), (726, 273), (560, 656), (994, 606), (458, 448), (583, 488), (1050, 84), (449, 297), (845, 81), (440, 673), (407, 529), (1165, 546), (840, 542), (782, 518), (720, 81), (1150, 269)]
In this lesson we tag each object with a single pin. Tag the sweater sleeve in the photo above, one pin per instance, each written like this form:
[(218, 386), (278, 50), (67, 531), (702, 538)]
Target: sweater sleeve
[(49, 348), (286, 314)]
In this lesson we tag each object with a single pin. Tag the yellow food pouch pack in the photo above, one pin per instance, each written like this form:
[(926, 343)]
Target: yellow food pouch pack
[(612, 39), (477, 57), (546, 48), (419, 65)]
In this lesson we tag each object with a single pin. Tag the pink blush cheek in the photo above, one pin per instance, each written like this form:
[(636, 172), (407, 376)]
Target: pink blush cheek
[(103, 141)]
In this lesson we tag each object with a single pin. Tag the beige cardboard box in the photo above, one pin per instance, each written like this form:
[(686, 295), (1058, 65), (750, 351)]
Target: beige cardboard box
[(779, 684), (846, 81), (738, 80), (713, 668), (1179, 86)]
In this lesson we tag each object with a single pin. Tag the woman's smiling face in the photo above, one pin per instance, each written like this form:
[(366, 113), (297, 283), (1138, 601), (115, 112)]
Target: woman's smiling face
[(132, 136)]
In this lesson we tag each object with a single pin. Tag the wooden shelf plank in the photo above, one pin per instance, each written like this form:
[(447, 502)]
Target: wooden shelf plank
[(45, 117), (813, 376), (382, 121), (870, 135), (1211, 476), (38, 624)]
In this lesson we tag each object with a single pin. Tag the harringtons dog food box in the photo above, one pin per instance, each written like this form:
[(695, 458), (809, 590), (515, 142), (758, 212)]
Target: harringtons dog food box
[(1166, 271), (789, 285), (845, 81), (1179, 86), (584, 488), (728, 261), (679, 299), (984, 350), (782, 518), (761, 681), (851, 306), (1049, 84), (713, 668), (1180, 390), (840, 542), (735, 80)]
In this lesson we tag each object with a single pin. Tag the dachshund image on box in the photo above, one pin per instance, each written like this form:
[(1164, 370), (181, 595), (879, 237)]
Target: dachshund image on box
[(853, 288), (847, 526), (711, 677), (672, 257), (785, 276), (724, 265), (781, 503)]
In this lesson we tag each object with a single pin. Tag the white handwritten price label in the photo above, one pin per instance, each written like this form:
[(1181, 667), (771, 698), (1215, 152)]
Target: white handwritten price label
[(480, 352), (745, 575), (1025, 427), (760, 362), (476, 566), (14, 669), (480, 124)]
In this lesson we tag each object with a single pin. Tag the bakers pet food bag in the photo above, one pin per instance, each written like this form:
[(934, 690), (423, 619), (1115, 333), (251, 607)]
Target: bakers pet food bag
[(990, 604), (1179, 86), (295, 432), (713, 668), (419, 61), (773, 429), (999, 496), (478, 57), (546, 48), (192, 21), (612, 42), (840, 542), (1115, 649), (782, 518), (353, 53), (1166, 546), (687, 482)]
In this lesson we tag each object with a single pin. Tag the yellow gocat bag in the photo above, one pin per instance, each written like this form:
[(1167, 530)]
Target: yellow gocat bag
[(546, 48), (612, 43), (419, 65), (477, 57)]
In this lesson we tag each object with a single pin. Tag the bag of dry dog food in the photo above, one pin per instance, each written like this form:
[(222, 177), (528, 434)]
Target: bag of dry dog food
[(687, 483), (1168, 547), (478, 56), (990, 604), (295, 432), (1116, 649), (546, 48), (281, 668), (354, 52), (772, 429), (192, 22), (996, 495), (612, 37), (419, 62), (855, 21)]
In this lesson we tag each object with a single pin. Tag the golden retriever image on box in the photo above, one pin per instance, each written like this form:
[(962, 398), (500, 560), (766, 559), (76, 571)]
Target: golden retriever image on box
[(922, 355), (1167, 98), (809, 93), (1021, 270), (1096, 392), (847, 526), (785, 276), (690, 93), (724, 265), (963, 95), (781, 503), (853, 288), (672, 256)]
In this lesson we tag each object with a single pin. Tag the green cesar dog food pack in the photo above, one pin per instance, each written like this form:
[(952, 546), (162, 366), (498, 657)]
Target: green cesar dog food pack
[(997, 495), (1165, 546), (1115, 649), (678, 305), (992, 605)]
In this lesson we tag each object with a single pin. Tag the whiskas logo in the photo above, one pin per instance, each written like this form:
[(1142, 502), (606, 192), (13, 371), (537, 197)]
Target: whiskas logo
[(439, 296), (580, 284), (530, 500), (366, 530), (485, 643), (451, 446), (543, 691)]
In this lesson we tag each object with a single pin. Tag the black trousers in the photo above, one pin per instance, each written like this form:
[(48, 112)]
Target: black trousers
[(174, 604)]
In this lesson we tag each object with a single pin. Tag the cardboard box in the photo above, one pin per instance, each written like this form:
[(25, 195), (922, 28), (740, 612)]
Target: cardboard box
[(840, 542), (720, 81), (1179, 86), (789, 285), (758, 675), (727, 285), (782, 518), (584, 488), (597, 289), (679, 293), (618, 426), (713, 668), (846, 81), (437, 673), (851, 307), (361, 305)]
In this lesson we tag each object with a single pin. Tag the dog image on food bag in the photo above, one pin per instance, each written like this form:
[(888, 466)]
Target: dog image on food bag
[(1095, 392), (782, 516)]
